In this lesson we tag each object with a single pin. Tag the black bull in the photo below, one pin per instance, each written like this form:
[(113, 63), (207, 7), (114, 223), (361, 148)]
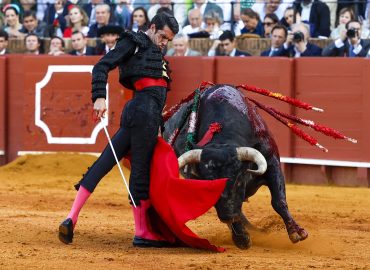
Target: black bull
[(242, 126)]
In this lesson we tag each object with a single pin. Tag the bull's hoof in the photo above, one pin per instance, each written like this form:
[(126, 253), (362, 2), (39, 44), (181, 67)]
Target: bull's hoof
[(240, 236), (298, 235)]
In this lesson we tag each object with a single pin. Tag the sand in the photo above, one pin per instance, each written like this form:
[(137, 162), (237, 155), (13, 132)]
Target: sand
[(36, 193)]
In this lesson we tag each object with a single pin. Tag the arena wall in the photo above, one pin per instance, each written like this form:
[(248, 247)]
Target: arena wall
[(49, 107), (2, 108)]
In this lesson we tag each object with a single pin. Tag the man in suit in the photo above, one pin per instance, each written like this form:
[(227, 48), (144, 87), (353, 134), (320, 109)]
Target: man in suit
[(316, 14), (278, 37), (79, 45), (3, 42), (350, 43), (180, 47), (297, 44), (205, 8), (103, 17), (226, 46)]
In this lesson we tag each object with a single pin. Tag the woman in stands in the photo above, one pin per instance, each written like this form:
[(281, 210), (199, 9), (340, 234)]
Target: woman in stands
[(12, 22), (77, 21), (252, 22), (345, 15), (139, 20)]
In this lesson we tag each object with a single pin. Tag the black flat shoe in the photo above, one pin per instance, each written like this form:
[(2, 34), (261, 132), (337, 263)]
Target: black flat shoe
[(66, 231), (142, 242)]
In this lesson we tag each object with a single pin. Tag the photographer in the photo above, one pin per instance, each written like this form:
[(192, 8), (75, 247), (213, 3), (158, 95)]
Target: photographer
[(350, 43), (297, 44)]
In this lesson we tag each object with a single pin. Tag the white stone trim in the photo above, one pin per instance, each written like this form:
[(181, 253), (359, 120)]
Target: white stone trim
[(38, 122)]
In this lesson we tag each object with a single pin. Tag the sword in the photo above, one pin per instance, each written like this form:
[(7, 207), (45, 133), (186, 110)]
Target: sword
[(117, 161)]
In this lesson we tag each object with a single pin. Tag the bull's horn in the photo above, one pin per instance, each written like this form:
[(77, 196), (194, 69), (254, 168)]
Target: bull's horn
[(192, 156), (251, 154)]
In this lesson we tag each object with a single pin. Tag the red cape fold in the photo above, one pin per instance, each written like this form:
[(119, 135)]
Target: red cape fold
[(176, 200)]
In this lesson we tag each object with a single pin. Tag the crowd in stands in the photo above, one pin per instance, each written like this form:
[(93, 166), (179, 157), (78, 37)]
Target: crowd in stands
[(288, 23)]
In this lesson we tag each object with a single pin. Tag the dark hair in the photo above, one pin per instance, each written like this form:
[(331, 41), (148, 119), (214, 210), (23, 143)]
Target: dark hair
[(272, 16), (78, 32), (344, 10), (62, 40), (351, 21), (4, 34), (250, 13), (29, 13), (162, 19), (280, 26), (165, 9), (227, 35), (12, 7), (145, 26)]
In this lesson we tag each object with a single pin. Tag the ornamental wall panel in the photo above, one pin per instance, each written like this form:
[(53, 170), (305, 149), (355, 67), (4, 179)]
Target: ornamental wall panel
[(50, 106)]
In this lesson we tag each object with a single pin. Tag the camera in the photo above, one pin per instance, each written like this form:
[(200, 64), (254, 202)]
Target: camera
[(351, 33), (298, 36)]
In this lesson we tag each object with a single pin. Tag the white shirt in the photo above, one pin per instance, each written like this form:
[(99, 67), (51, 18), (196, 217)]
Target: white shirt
[(306, 11), (3, 52), (260, 9), (190, 30), (83, 52)]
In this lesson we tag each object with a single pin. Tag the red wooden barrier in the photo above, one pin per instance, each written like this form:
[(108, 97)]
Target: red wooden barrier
[(2, 108)]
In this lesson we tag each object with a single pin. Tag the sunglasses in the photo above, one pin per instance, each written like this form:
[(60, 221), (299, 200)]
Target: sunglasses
[(267, 23)]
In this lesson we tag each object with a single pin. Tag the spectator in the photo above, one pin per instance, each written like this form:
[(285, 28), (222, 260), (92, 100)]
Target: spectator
[(316, 14), (359, 7), (288, 19), (103, 17), (226, 46), (297, 44), (252, 23), (350, 43), (206, 7), (33, 44), (195, 20), (3, 42), (33, 26), (79, 45), (180, 47), (276, 7), (57, 46), (122, 13), (55, 17), (279, 35), (345, 15), (212, 22), (89, 9), (13, 25), (77, 21), (269, 22), (108, 35), (139, 20), (27, 5), (179, 9)]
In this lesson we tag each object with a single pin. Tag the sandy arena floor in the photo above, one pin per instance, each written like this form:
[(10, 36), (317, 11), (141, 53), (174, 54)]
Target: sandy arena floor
[(36, 194)]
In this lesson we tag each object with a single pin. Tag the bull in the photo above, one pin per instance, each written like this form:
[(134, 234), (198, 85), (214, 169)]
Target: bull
[(244, 151)]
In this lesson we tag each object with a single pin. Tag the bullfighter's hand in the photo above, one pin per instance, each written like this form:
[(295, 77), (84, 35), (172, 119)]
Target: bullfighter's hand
[(100, 107)]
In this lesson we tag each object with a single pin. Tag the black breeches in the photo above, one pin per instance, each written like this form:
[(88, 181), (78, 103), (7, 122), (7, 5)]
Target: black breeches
[(137, 134)]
